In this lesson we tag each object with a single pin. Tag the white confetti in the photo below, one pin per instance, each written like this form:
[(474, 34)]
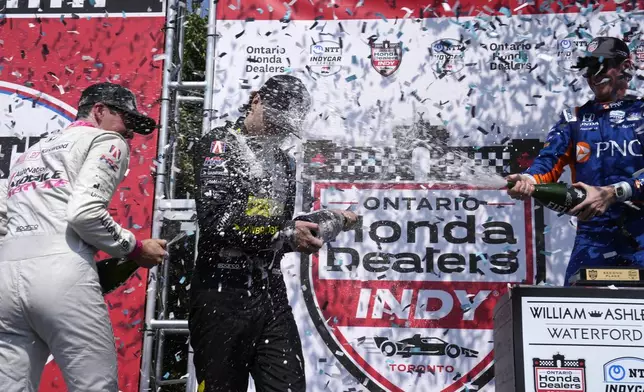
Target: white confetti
[(87, 58), (610, 254), (522, 6), (446, 7)]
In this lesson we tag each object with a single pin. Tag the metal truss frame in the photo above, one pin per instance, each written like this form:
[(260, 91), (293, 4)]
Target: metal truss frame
[(166, 207)]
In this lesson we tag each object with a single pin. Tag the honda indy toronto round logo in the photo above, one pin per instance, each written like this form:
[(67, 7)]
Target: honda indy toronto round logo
[(26, 116), (405, 300), (386, 57)]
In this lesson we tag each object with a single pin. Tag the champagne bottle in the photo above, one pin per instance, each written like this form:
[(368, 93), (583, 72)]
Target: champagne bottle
[(559, 197), (330, 224), (112, 273)]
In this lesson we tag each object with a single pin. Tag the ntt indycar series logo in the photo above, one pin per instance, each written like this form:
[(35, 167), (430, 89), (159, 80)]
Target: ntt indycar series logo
[(559, 374), (407, 297), (625, 374)]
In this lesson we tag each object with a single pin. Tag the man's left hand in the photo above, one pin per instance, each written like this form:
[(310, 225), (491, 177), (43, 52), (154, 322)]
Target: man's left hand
[(598, 199)]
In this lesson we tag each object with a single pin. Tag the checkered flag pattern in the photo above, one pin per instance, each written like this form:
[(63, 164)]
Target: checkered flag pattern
[(547, 362), (327, 160), (571, 363), (363, 162), (495, 160)]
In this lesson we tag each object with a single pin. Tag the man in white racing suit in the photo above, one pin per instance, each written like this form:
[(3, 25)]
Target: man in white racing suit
[(57, 218)]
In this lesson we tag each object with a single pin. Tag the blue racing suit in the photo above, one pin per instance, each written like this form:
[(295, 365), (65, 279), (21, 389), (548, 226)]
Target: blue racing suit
[(602, 144)]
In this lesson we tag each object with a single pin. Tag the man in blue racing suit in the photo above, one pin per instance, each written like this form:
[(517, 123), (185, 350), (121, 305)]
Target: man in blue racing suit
[(601, 142)]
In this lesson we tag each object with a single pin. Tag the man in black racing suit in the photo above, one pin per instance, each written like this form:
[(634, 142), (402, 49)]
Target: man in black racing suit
[(240, 319)]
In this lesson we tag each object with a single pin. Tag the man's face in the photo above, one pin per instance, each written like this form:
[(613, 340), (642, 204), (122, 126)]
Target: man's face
[(255, 118), (608, 81), (112, 119)]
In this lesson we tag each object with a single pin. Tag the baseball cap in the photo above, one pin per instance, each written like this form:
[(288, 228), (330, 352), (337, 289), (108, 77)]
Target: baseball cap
[(614, 50), (120, 98), (286, 102)]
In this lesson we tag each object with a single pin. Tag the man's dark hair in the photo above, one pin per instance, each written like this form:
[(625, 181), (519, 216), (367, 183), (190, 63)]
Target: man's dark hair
[(84, 111)]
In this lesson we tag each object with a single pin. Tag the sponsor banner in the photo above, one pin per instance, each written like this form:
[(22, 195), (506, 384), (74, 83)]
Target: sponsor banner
[(45, 65), (365, 80), (54, 8), (490, 81), (557, 327), (387, 13), (405, 293)]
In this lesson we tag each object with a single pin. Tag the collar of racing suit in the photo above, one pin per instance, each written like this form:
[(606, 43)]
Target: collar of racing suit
[(81, 123)]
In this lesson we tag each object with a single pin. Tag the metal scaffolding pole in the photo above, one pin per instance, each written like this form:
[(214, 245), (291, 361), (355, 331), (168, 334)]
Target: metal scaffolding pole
[(159, 193), (210, 67), (156, 327)]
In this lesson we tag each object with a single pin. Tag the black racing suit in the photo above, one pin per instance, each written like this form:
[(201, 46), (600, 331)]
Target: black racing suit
[(240, 319)]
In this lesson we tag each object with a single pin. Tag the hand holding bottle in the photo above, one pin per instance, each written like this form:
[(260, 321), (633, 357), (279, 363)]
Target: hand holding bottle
[(597, 201), (304, 239), (523, 186), (152, 253), (350, 219)]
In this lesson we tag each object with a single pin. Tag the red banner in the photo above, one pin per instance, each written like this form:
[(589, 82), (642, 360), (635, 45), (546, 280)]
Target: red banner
[(46, 61)]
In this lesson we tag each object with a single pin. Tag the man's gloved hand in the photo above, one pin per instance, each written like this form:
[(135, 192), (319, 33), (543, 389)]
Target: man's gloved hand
[(152, 253), (523, 186)]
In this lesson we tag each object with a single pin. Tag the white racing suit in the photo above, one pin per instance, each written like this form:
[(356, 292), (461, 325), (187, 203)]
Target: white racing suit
[(50, 297)]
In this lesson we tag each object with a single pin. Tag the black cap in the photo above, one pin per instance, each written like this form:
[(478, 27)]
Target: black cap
[(604, 48), (120, 98), (286, 102)]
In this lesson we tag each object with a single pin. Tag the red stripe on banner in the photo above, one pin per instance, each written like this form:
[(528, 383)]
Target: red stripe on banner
[(61, 57), (388, 10)]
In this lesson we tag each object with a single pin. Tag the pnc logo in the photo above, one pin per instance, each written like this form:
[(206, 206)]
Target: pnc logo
[(582, 152)]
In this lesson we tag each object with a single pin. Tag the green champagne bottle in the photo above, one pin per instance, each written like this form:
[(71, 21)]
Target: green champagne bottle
[(559, 197), (112, 273)]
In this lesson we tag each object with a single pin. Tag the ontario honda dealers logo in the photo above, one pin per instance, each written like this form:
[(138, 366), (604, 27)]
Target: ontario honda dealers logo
[(408, 296), (559, 374)]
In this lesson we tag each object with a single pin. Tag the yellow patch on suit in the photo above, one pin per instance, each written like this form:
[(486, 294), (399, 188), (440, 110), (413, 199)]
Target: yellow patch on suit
[(263, 207)]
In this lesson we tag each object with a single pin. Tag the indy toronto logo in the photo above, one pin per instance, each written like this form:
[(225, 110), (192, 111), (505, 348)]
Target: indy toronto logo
[(559, 374), (410, 293), (386, 57)]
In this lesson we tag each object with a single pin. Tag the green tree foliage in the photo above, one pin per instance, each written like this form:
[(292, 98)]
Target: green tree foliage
[(190, 113)]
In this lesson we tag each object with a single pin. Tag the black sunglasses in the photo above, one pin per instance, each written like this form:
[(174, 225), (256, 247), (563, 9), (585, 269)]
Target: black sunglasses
[(128, 119)]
